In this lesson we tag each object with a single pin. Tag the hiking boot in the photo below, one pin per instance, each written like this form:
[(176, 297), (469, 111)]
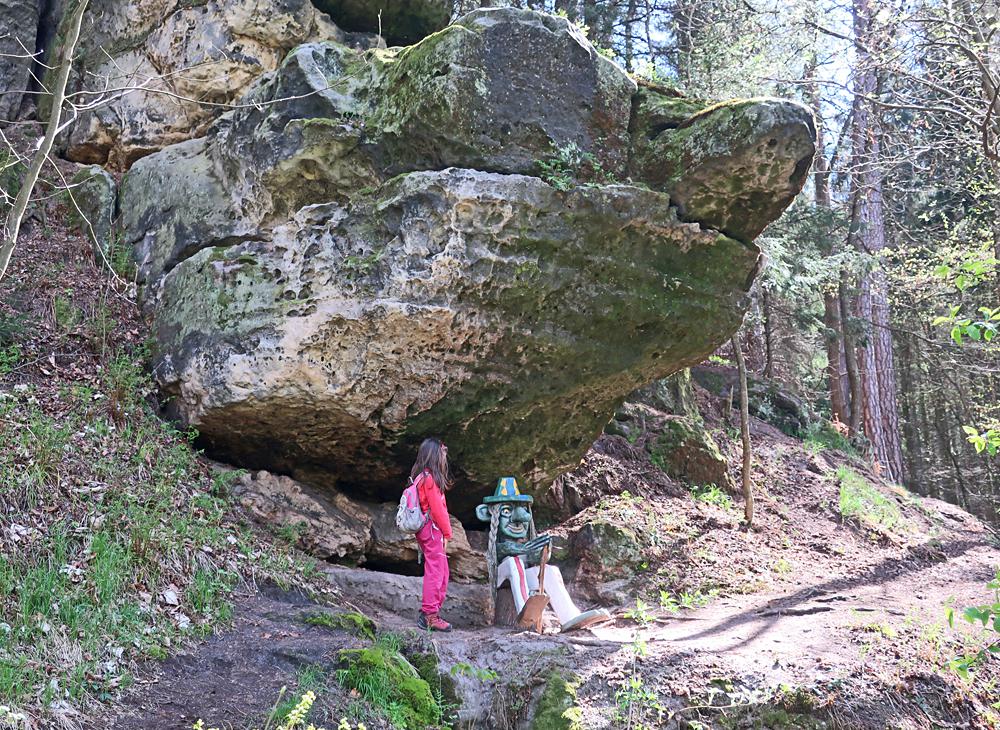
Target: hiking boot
[(433, 623)]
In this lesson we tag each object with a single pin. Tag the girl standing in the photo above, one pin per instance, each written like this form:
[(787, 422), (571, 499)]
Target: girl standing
[(430, 473)]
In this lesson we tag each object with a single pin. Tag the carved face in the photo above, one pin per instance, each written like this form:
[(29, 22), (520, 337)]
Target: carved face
[(515, 520)]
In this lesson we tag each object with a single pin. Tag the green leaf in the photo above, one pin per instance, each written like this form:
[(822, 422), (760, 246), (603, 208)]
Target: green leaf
[(970, 430), (956, 334), (974, 613), (938, 321), (973, 332), (943, 270)]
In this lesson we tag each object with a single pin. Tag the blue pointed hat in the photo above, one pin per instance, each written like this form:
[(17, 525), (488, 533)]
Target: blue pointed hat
[(507, 491)]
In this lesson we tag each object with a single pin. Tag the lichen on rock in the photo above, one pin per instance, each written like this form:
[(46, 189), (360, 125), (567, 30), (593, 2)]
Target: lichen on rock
[(336, 277)]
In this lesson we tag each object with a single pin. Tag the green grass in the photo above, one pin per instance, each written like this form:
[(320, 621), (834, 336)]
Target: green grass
[(822, 435), (115, 542), (863, 502)]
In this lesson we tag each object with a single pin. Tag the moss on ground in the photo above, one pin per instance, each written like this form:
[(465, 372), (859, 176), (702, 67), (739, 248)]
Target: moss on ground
[(353, 622)]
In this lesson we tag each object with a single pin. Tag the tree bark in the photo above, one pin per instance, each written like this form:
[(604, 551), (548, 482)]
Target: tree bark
[(15, 216), (748, 501), (850, 356), (835, 354), (867, 233), (765, 305)]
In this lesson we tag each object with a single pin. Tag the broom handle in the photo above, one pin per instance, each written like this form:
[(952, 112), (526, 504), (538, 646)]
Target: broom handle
[(541, 569)]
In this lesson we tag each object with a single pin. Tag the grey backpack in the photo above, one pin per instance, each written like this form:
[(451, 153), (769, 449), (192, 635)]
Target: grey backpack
[(409, 517)]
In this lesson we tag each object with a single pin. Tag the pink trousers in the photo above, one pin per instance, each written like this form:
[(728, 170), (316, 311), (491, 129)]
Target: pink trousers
[(435, 568)]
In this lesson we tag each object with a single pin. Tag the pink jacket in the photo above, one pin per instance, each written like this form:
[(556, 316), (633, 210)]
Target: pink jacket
[(432, 500)]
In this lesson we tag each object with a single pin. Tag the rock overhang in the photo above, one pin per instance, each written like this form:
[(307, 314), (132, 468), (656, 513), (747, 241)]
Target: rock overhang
[(355, 274)]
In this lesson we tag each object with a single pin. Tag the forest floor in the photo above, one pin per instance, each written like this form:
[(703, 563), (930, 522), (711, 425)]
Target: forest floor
[(136, 595), (860, 641)]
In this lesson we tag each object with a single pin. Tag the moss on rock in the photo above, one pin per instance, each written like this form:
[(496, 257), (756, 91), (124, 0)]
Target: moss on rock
[(557, 708), (685, 450), (353, 622), (719, 163), (383, 677)]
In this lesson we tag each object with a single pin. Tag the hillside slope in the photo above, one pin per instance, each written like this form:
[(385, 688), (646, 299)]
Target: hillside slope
[(121, 550)]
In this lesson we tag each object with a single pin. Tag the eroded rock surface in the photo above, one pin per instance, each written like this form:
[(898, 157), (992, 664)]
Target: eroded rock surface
[(334, 278), (171, 67), (334, 527)]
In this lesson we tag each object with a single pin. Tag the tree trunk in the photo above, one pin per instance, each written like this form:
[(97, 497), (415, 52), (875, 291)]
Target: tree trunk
[(748, 503), (765, 302), (911, 430), (835, 355), (850, 356), (836, 368), (867, 233)]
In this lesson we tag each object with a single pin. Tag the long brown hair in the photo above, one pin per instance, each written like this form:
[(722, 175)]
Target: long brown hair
[(431, 458)]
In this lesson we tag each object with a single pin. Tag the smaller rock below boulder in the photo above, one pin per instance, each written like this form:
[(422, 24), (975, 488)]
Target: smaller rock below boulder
[(95, 194), (331, 526), (607, 555), (468, 604), (389, 545), (328, 528), (685, 450)]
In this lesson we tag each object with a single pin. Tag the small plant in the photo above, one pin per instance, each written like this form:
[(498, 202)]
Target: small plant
[(711, 494), (989, 615), (782, 566), (10, 357), (67, 314), (570, 165), (11, 328), (465, 669), (351, 621), (697, 598), (668, 602), (639, 612), (635, 701)]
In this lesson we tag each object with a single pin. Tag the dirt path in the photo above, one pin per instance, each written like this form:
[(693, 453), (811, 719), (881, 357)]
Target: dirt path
[(830, 628)]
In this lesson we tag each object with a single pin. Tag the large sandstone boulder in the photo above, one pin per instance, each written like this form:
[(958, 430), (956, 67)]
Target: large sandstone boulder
[(334, 278), (18, 33)]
